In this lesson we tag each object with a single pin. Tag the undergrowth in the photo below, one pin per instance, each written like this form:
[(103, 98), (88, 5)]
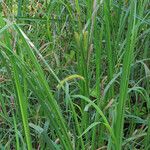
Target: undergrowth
[(75, 74)]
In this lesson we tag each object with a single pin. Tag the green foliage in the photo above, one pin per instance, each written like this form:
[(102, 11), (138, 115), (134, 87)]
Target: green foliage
[(74, 74)]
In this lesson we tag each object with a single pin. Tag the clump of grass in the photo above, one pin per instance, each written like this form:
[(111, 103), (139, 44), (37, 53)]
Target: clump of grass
[(74, 75)]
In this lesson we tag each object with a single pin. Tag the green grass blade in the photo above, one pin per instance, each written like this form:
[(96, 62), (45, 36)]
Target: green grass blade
[(128, 57), (23, 105)]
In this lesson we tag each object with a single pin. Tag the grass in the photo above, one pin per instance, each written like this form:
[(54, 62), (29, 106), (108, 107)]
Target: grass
[(74, 75)]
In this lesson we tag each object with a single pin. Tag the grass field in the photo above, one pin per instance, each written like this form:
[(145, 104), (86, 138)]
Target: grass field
[(75, 74)]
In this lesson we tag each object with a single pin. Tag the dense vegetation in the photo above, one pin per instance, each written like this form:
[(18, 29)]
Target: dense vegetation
[(75, 74)]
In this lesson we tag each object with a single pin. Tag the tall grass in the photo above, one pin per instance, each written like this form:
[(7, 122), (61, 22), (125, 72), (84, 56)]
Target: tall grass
[(74, 75), (128, 56)]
